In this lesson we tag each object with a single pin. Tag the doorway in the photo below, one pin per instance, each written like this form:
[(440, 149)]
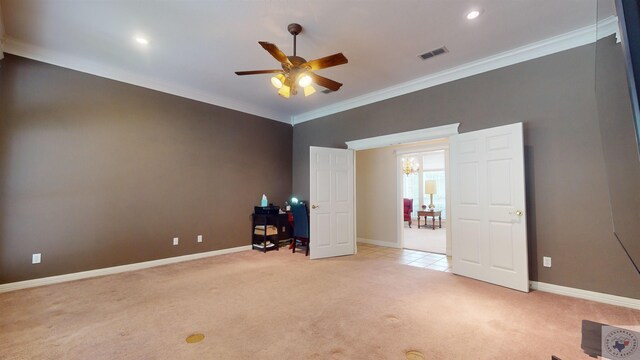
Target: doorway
[(487, 166), (424, 197), (379, 215)]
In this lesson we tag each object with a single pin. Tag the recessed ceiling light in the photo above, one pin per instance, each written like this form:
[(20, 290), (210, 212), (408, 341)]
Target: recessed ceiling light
[(141, 40), (473, 14)]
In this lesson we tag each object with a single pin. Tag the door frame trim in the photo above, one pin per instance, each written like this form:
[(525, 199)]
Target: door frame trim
[(407, 137)]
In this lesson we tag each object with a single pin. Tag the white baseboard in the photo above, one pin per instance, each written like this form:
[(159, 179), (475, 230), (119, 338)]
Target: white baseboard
[(586, 294), (379, 243), (115, 269)]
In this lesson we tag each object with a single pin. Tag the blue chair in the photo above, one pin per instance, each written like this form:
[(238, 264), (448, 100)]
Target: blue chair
[(300, 226)]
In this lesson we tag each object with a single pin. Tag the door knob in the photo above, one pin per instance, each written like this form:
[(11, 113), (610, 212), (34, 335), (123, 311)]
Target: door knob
[(315, 206), (517, 212)]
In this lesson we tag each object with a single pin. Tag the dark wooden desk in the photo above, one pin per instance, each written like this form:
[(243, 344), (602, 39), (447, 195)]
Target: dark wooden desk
[(433, 215), (282, 224)]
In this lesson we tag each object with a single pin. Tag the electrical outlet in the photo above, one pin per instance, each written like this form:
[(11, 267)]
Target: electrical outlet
[(175, 241), (36, 258), (199, 238), (546, 261)]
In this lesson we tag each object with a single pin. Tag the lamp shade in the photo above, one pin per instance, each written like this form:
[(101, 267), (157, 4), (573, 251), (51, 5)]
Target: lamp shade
[(285, 91), (308, 90), (430, 187), (277, 81)]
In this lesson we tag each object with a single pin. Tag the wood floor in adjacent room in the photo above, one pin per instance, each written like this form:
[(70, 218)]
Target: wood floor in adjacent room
[(280, 305)]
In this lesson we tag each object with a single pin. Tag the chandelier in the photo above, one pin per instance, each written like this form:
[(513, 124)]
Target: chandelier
[(410, 166)]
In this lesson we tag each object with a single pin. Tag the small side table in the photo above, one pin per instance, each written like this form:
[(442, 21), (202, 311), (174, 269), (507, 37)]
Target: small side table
[(433, 215)]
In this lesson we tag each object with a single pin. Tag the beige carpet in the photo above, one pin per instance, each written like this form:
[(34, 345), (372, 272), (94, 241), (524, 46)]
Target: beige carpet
[(425, 239), (280, 305)]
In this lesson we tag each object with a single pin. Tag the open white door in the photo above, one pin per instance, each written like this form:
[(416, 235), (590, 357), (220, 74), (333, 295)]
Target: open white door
[(331, 212), (489, 228)]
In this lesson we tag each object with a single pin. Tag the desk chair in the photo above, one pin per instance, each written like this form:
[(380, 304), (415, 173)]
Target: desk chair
[(300, 226)]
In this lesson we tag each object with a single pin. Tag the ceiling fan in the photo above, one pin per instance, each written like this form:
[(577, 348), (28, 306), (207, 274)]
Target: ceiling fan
[(296, 71)]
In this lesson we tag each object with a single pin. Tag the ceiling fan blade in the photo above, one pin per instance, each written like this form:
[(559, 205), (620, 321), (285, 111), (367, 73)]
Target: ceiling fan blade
[(327, 61), (275, 52), (324, 82), (255, 72)]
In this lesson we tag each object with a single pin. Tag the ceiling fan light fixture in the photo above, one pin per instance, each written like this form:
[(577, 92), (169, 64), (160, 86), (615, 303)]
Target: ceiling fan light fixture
[(304, 80), (297, 73), (285, 91), (308, 90), (277, 81)]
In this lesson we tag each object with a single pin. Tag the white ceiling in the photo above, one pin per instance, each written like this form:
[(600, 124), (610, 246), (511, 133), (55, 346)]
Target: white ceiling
[(195, 46)]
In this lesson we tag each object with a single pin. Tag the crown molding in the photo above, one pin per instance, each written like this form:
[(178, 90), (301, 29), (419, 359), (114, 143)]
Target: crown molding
[(16, 47), (570, 40), (608, 26)]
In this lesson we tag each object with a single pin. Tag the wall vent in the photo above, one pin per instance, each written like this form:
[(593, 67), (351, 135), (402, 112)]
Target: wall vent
[(432, 53)]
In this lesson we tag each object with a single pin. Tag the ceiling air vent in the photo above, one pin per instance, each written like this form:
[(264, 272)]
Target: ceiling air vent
[(432, 53)]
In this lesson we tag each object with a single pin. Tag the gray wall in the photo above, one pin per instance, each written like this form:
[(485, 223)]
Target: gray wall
[(97, 173), (566, 183), (619, 145)]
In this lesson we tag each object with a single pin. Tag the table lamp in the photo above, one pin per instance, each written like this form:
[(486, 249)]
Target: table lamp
[(430, 188)]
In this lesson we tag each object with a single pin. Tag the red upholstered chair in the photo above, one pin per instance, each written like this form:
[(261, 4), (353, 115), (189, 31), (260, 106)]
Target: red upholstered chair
[(408, 209)]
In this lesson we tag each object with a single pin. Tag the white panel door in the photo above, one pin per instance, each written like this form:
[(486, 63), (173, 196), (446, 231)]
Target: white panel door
[(489, 227), (331, 217)]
